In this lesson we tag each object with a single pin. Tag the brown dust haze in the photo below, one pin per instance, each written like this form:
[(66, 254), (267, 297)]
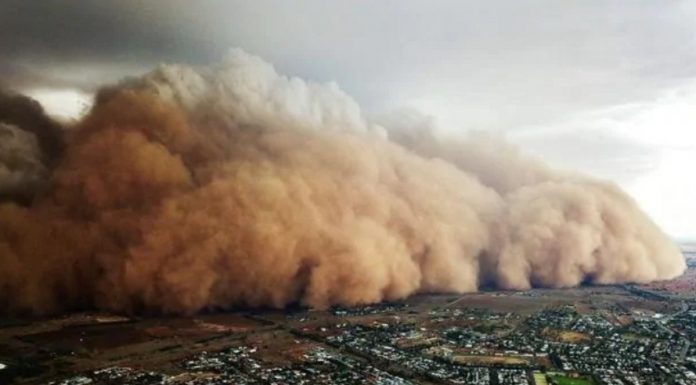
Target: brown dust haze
[(193, 189)]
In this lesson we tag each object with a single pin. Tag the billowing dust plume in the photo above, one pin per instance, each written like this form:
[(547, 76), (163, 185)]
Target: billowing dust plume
[(30, 144), (196, 189)]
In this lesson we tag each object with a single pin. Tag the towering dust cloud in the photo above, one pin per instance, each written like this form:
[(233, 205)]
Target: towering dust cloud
[(196, 189), (30, 143)]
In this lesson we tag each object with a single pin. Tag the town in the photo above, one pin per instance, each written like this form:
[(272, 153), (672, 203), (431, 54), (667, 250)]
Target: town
[(453, 346), (613, 335)]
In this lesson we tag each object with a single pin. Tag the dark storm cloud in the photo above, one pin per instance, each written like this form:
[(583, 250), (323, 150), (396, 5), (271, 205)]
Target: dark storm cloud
[(540, 56), (76, 44), (89, 31)]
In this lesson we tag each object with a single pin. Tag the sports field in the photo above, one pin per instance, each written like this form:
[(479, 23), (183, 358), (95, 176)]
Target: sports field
[(564, 380), (540, 379)]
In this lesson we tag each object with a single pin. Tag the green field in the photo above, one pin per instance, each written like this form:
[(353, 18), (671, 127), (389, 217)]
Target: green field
[(564, 380)]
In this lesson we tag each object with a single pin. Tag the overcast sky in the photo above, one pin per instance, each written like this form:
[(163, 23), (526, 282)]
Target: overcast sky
[(608, 87)]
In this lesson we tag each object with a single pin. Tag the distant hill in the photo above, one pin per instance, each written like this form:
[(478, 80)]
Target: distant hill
[(688, 247), (689, 251)]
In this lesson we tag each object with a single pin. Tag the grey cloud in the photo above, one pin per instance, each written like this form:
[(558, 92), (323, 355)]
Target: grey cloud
[(526, 59), (596, 151)]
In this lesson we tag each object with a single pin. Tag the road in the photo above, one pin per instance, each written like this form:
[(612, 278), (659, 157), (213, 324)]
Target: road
[(663, 323)]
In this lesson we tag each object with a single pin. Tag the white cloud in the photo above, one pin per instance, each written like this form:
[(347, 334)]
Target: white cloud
[(648, 147), (64, 104)]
